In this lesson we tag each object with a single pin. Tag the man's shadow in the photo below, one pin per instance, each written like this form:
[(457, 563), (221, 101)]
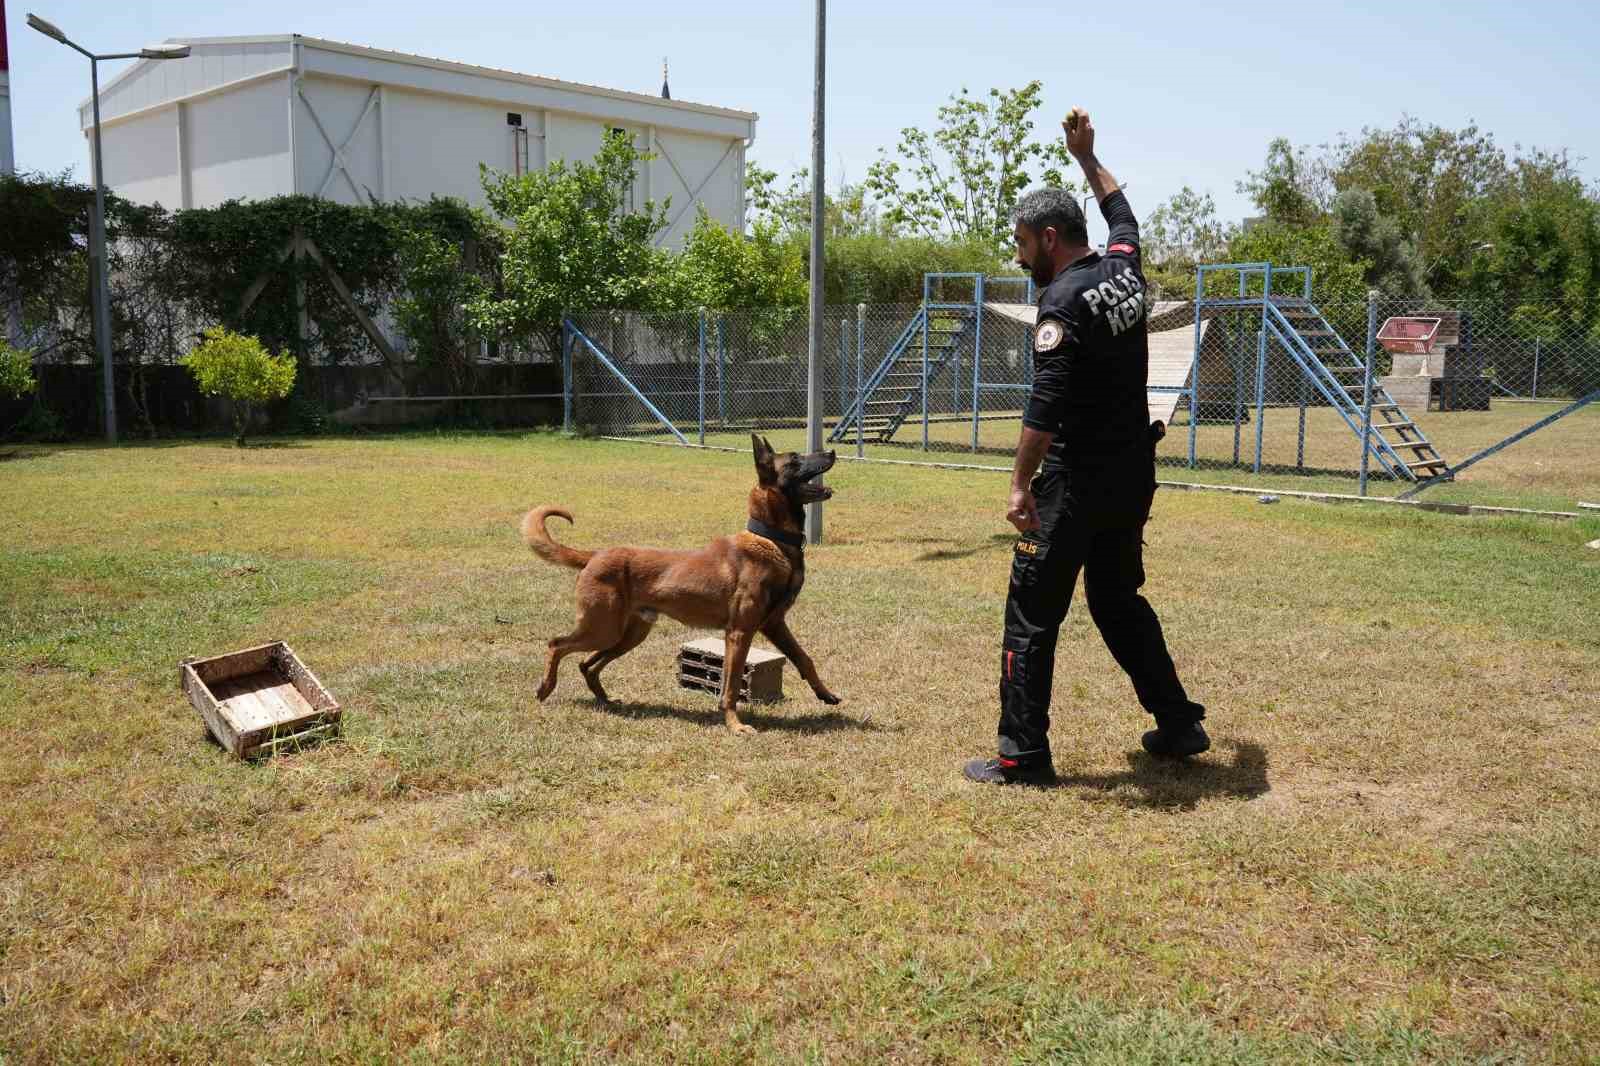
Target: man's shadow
[(1180, 783), (758, 716), (998, 540)]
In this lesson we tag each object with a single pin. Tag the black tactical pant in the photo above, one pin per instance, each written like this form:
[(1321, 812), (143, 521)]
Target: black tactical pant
[(1091, 519)]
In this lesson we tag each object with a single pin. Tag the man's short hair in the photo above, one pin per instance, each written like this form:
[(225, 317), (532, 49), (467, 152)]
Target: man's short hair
[(1058, 208)]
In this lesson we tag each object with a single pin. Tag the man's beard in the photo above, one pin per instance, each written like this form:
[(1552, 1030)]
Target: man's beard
[(1041, 277)]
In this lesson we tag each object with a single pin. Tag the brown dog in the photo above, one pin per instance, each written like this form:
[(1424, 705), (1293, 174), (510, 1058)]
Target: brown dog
[(742, 585)]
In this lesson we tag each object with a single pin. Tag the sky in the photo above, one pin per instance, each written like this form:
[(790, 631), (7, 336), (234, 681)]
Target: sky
[(1181, 94)]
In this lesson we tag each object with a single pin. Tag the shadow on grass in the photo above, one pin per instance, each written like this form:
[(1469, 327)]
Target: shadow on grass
[(941, 555), (823, 722), (1181, 783)]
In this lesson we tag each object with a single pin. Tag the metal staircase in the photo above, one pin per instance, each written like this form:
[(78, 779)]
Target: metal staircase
[(895, 389), (1394, 441)]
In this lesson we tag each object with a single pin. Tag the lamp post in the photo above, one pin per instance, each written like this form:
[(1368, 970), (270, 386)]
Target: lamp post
[(97, 221), (1090, 196), (818, 206), (1486, 246)]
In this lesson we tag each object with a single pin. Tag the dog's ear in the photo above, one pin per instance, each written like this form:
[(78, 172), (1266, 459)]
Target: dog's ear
[(766, 469)]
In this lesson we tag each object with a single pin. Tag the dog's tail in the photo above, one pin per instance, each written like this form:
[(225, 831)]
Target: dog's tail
[(545, 546)]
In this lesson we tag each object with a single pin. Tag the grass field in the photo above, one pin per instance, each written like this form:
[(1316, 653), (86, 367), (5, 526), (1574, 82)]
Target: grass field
[(1550, 470), (1392, 853)]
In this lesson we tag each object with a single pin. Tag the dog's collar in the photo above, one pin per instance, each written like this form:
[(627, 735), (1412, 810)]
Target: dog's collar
[(782, 536)]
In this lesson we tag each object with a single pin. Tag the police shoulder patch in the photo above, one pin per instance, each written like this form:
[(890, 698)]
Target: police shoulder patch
[(1048, 336)]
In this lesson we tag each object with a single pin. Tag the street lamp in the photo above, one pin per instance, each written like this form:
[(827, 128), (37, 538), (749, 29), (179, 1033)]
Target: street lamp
[(1090, 196), (1486, 246), (97, 221)]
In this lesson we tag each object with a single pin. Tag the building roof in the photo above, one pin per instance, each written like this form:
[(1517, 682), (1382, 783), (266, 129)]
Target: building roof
[(408, 60)]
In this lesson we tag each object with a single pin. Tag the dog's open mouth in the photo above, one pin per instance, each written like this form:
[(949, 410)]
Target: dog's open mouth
[(818, 465)]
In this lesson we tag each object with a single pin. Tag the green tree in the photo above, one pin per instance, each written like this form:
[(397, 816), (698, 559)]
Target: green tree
[(1179, 235), (960, 181), (440, 277), (1394, 267), (574, 244), (1287, 189), (723, 270), (239, 367), (1334, 275), (1427, 180)]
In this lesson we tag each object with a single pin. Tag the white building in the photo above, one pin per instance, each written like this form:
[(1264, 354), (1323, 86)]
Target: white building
[(254, 117), (7, 159)]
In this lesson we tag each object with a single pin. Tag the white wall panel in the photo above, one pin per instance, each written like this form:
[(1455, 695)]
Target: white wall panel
[(238, 144)]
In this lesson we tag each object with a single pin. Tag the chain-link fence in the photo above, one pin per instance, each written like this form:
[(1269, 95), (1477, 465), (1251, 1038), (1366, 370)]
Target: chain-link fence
[(1282, 395)]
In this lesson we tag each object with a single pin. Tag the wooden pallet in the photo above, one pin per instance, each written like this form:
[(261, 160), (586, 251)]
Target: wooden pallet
[(259, 701), (700, 667)]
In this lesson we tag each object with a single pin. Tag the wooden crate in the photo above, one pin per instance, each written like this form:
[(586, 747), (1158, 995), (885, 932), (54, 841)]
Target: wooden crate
[(700, 666), (260, 700)]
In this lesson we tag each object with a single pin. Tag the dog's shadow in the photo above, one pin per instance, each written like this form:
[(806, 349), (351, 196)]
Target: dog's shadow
[(1168, 784), (761, 719)]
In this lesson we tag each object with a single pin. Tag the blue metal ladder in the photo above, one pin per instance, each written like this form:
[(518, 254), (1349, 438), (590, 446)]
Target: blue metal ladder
[(1327, 364), (1395, 441), (894, 390)]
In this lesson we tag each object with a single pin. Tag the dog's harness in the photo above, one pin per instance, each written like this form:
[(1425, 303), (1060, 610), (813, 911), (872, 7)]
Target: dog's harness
[(782, 536)]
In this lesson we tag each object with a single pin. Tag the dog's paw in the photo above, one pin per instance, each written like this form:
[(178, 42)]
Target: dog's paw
[(544, 692), (742, 730), (828, 697)]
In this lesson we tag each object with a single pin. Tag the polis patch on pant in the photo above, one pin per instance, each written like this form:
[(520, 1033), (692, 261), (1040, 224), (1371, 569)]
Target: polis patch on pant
[(1027, 547)]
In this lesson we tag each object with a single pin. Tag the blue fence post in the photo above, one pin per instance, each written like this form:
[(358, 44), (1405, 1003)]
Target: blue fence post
[(861, 349), (722, 371), (702, 389), (1261, 364), (1366, 387), (566, 375), (924, 362), (1535, 368), (1236, 350), (1194, 368), (978, 362)]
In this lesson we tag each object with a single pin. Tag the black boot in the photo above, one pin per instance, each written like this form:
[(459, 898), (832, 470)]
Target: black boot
[(1003, 771), (1175, 741)]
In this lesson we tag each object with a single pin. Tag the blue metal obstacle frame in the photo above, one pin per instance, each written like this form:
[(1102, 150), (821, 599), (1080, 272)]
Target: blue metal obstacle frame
[(933, 341), (1326, 364)]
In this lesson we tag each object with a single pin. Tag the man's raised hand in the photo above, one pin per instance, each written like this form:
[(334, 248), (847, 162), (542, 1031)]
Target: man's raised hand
[(1080, 133)]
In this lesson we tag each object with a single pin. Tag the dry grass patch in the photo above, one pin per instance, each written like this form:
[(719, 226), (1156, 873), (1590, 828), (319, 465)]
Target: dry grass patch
[(1390, 855)]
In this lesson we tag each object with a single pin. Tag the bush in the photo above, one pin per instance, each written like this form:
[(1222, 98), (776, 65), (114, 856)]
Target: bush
[(239, 367), (16, 371)]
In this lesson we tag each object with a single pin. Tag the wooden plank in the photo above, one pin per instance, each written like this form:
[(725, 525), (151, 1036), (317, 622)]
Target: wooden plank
[(250, 702), (202, 700), (305, 682), (367, 327), (234, 664), (260, 283)]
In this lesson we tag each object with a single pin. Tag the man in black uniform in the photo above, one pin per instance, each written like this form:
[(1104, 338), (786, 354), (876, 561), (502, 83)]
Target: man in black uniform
[(1088, 421)]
